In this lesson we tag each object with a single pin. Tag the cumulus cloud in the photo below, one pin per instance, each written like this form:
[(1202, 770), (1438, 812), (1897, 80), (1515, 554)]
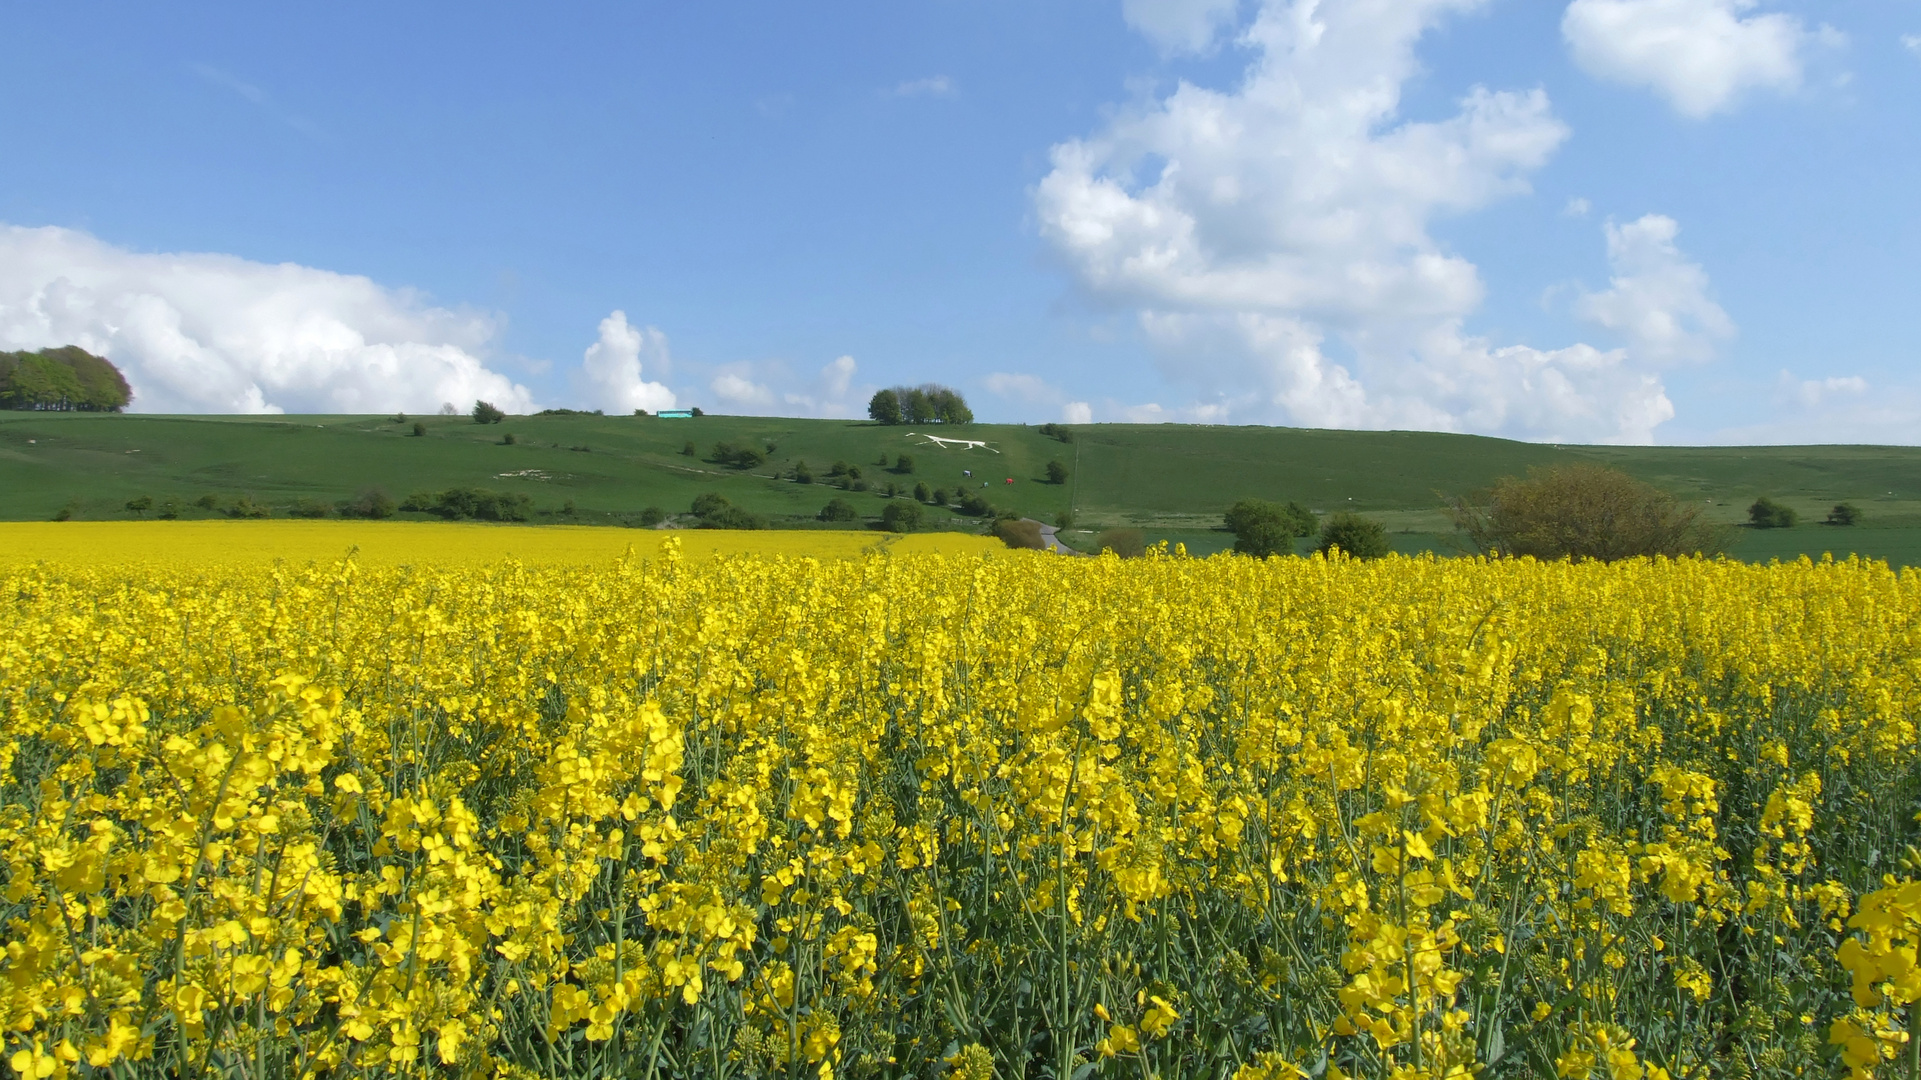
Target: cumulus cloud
[(1274, 239), (216, 333), (1701, 55), (1032, 390), (1577, 207), (1812, 393), (771, 387), (1657, 300), (1912, 42), (1179, 25), (611, 368)]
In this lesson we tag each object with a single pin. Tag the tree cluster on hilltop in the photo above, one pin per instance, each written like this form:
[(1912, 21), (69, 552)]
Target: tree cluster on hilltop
[(926, 404), (63, 380)]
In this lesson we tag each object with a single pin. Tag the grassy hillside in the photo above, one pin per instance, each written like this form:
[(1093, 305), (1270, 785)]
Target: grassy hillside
[(1171, 480)]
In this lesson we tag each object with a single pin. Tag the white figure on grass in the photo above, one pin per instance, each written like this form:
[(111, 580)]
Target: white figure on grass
[(945, 444)]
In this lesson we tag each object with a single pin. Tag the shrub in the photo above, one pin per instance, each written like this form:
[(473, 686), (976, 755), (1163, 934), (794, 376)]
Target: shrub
[(1057, 431), (567, 508), (208, 502), (941, 497), (922, 493), (419, 429), (689, 450), (140, 504), (901, 517), (420, 502), (1843, 514), (838, 509), (481, 503), (400, 418), (1584, 512), (740, 457), (65, 513), (245, 507), (369, 502), (169, 510), (1127, 543), (308, 508), (1056, 473), (507, 439), (974, 504), (715, 512), (1016, 533), (652, 516), (803, 474), (903, 464), (485, 413), (1064, 519), (1263, 528), (1352, 535), (1768, 514)]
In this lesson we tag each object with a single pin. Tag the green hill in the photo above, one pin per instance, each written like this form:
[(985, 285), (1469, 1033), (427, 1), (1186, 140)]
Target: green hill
[(1170, 480)]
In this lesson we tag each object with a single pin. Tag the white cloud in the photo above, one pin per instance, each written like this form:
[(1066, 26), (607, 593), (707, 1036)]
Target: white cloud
[(1035, 391), (1812, 393), (932, 86), (1274, 241), (1029, 389), (1179, 25), (770, 387), (1912, 42), (611, 368), (740, 391), (216, 333), (1577, 207), (1701, 55), (1657, 300)]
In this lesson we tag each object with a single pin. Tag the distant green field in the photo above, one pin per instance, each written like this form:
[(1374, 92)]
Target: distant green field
[(1172, 481)]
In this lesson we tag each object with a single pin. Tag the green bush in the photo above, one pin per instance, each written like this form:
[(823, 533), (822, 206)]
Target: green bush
[(904, 465), (715, 512), (169, 510), (419, 429), (1016, 533), (208, 502), (923, 493), (1263, 528), (1843, 514), (245, 507), (838, 509), (485, 413), (483, 504), (901, 517), (1127, 543), (369, 502), (1352, 535), (1768, 514), (652, 516), (1056, 472), (140, 504), (803, 474), (1583, 512), (308, 508), (1057, 431)]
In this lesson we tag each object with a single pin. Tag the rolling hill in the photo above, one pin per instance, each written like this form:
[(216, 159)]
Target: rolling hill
[(1170, 480)]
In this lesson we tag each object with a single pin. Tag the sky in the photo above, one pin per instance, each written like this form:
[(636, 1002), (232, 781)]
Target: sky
[(1623, 221)]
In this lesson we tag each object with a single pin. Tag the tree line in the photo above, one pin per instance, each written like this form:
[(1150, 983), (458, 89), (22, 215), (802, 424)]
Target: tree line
[(66, 379)]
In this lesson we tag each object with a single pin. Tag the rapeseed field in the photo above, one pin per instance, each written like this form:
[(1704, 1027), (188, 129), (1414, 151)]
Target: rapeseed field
[(951, 815)]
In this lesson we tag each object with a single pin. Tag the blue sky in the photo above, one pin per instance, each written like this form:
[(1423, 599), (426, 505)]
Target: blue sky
[(1592, 220)]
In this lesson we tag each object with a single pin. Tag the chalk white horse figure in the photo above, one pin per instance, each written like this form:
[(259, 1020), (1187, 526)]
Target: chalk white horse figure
[(964, 444)]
